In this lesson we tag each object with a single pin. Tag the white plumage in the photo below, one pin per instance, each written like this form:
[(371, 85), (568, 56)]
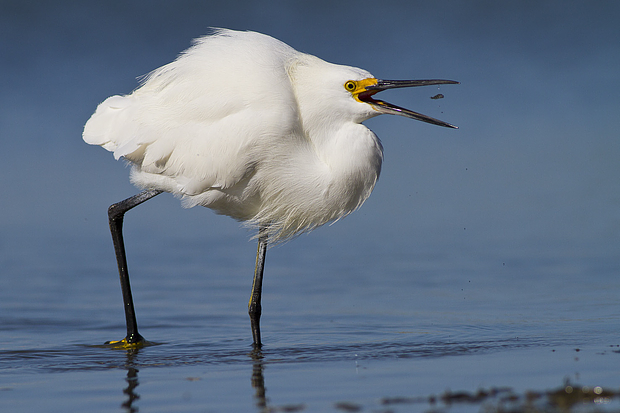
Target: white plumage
[(245, 125)]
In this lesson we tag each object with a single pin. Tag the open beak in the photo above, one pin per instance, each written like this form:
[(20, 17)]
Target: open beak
[(388, 108)]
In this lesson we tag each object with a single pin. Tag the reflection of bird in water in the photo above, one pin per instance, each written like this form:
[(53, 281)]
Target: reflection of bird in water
[(245, 125), (258, 380), (132, 384)]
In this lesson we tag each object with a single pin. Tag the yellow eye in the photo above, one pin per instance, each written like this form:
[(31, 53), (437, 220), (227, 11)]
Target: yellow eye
[(350, 86)]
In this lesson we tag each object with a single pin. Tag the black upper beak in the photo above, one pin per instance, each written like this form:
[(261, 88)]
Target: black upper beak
[(388, 108)]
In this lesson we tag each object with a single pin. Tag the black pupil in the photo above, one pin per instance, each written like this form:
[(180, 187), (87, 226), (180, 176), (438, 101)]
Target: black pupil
[(350, 86)]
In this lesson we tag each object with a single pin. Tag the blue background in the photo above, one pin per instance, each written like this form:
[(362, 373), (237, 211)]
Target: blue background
[(485, 257)]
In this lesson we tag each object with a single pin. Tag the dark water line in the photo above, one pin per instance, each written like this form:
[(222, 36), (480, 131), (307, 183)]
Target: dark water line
[(85, 358)]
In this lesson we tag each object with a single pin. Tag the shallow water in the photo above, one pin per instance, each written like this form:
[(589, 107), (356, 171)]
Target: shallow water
[(335, 338), (481, 275)]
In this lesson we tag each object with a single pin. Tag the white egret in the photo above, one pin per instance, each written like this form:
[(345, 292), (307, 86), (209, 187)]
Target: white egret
[(246, 125)]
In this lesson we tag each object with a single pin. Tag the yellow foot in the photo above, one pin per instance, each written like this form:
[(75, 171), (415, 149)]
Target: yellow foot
[(123, 344)]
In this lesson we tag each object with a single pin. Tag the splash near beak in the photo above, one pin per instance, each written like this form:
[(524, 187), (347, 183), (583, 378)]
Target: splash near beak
[(388, 108)]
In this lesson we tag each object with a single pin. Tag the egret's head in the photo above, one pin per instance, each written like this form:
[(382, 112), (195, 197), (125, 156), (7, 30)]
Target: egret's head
[(363, 90), (329, 92)]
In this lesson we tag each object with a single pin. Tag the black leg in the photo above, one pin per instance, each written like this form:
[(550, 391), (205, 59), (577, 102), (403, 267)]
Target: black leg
[(254, 307), (116, 212)]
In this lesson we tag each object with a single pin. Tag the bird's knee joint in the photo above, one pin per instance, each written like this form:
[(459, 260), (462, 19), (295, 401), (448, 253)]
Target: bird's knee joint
[(115, 212)]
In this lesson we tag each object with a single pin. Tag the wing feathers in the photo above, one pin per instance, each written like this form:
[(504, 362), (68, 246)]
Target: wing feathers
[(196, 123)]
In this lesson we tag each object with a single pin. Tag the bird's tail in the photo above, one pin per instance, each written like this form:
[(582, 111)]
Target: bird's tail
[(111, 126)]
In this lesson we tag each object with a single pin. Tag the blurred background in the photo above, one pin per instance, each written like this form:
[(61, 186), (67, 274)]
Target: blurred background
[(498, 241), (532, 172)]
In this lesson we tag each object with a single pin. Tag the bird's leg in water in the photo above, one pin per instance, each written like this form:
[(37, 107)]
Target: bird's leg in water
[(254, 307), (116, 212)]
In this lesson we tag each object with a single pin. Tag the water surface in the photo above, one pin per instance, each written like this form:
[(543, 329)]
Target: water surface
[(482, 274)]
